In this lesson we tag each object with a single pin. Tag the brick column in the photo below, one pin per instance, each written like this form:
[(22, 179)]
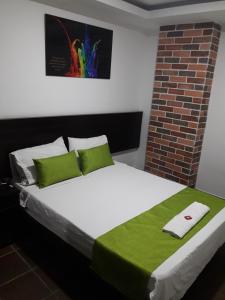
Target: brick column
[(183, 78)]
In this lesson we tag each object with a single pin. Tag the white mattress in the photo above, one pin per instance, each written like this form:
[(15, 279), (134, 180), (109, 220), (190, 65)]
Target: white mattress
[(81, 209)]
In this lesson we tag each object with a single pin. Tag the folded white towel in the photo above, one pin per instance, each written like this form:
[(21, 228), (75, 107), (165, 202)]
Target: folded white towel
[(185, 220)]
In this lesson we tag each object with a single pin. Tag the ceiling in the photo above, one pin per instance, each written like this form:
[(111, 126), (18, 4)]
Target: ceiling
[(159, 4), (147, 21)]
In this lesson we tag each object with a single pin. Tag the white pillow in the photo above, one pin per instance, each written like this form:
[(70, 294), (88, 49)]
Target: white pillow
[(86, 143), (22, 160)]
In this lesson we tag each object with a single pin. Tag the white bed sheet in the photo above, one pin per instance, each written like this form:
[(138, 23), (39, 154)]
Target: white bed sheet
[(81, 209)]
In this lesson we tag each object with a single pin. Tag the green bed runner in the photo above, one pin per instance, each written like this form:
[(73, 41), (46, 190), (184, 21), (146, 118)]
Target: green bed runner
[(126, 256)]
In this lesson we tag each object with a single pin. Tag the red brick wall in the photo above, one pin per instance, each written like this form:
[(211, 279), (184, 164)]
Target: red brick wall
[(186, 59)]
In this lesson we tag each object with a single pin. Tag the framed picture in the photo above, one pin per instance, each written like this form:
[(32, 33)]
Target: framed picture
[(75, 49)]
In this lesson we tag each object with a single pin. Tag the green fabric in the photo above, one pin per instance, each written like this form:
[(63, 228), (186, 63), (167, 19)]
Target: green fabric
[(95, 158), (54, 169), (128, 254)]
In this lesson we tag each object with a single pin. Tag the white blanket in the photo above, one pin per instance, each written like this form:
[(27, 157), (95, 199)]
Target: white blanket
[(185, 220)]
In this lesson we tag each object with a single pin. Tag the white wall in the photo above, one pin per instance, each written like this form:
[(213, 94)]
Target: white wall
[(27, 92), (211, 175)]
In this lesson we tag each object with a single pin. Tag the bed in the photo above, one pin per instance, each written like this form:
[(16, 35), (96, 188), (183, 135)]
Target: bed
[(74, 213), (79, 219)]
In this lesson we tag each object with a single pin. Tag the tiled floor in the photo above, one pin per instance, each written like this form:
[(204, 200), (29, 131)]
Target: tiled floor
[(43, 268), (21, 279)]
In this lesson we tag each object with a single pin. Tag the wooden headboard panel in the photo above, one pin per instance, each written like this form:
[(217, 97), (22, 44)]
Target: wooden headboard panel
[(122, 129)]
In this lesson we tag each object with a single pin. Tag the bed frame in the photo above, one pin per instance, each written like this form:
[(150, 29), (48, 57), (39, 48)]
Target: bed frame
[(122, 129)]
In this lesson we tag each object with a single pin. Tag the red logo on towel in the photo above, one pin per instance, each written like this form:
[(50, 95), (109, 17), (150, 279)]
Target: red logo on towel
[(188, 217)]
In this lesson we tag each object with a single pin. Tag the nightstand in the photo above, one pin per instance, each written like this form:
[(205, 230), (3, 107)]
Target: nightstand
[(9, 210)]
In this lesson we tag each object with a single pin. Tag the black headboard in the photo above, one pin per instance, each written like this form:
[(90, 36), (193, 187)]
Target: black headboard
[(122, 130)]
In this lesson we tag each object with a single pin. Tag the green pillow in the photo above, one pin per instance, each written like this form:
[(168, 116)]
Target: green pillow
[(54, 169), (95, 158)]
